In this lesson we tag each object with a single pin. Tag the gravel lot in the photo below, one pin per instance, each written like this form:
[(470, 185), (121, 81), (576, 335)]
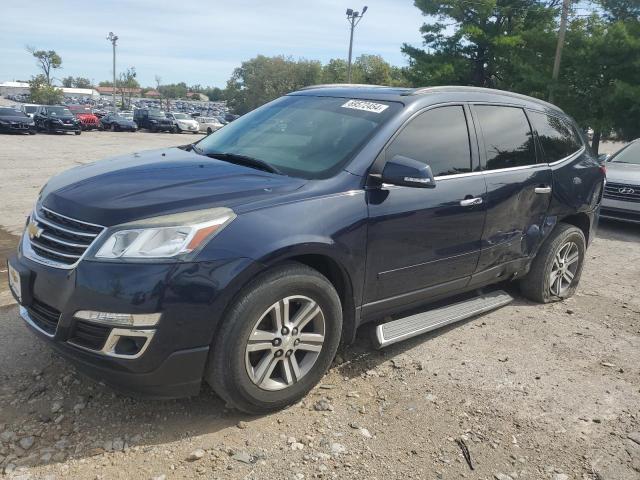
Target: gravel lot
[(533, 391)]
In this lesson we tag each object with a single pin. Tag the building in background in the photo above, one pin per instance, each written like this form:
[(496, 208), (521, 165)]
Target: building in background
[(22, 88)]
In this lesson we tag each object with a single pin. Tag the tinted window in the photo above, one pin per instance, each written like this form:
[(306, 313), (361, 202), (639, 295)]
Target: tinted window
[(507, 137), (438, 138), (557, 137), (629, 154)]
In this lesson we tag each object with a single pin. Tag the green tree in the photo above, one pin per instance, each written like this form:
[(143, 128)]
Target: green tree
[(487, 43), (599, 81), (370, 69), (262, 79), (47, 61), (82, 82), (215, 94), (67, 82), (335, 71), (43, 93), (105, 83), (126, 82)]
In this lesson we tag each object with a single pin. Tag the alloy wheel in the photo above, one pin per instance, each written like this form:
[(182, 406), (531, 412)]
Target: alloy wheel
[(285, 343), (564, 268)]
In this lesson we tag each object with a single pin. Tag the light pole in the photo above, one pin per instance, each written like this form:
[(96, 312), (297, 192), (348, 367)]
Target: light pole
[(354, 19), (113, 39)]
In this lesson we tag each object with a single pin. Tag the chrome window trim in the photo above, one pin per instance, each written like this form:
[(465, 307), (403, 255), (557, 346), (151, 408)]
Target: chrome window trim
[(24, 313), (575, 154)]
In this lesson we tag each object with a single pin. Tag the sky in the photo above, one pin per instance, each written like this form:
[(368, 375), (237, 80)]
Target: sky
[(195, 41)]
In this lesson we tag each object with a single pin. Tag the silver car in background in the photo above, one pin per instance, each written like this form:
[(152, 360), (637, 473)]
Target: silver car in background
[(621, 199), (209, 124)]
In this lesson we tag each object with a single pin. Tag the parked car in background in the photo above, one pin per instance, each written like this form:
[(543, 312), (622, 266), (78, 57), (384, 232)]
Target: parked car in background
[(183, 123), (29, 108), (153, 120), (244, 259), (88, 121), (209, 124), (117, 122), (127, 114), (56, 119), (16, 121), (622, 193)]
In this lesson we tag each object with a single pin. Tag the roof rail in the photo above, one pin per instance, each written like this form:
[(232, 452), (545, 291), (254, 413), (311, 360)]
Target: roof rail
[(342, 85), (425, 90)]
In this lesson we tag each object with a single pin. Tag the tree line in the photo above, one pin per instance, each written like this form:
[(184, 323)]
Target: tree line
[(504, 44)]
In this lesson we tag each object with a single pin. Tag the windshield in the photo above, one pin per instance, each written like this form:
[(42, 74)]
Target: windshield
[(181, 116), (157, 114), (126, 116), (630, 154), (309, 137), (59, 111), (10, 112), (30, 109)]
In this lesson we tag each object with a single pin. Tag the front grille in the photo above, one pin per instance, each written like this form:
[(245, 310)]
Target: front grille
[(44, 316), (60, 238), (89, 335), (620, 191)]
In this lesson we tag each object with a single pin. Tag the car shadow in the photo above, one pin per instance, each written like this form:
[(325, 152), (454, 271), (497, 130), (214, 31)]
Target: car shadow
[(619, 231)]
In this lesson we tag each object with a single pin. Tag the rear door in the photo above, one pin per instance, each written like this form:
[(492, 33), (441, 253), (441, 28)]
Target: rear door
[(518, 186), (425, 240)]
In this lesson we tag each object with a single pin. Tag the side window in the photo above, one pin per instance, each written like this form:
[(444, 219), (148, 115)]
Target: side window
[(439, 138), (507, 137), (557, 137)]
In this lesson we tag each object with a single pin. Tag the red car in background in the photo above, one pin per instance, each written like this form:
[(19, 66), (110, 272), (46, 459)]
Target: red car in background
[(88, 121)]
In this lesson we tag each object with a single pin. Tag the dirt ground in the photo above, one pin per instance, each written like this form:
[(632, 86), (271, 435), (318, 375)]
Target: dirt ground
[(531, 391)]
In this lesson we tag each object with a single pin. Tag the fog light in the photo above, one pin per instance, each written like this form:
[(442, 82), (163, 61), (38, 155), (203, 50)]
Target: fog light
[(120, 319)]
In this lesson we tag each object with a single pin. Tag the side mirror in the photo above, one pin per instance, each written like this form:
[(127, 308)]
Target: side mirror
[(407, 172), (603, 158)]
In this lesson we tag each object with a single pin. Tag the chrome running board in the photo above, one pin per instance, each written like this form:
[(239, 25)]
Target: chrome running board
[(407, 327)]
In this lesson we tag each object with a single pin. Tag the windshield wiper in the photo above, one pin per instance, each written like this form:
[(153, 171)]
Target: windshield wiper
[(244, 160)]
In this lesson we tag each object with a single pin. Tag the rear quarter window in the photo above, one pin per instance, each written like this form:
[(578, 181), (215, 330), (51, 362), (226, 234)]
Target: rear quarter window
[(557, 136)]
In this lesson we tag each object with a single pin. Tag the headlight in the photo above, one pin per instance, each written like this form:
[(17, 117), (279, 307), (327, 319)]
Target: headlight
[(167, 236)]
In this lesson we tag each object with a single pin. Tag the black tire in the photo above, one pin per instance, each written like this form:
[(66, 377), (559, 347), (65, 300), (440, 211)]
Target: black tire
[(227, 371), (78, 132), (537, 285), (209, 131), (113, 127)]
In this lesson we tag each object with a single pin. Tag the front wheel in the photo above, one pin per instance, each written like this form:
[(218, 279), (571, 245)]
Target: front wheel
[(278, 339), (78, 132), (556, 270)]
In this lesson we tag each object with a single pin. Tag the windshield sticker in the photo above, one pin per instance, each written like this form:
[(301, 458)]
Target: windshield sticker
[(366, 106)]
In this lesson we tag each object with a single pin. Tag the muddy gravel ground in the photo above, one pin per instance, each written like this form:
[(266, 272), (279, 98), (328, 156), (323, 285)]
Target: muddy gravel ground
[(529, 391)]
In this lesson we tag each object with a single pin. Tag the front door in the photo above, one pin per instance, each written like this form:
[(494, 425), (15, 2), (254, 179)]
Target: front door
[(422, 240)]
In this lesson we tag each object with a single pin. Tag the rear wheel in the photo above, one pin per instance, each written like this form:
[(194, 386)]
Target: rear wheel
[(556, 270), (277, 341)]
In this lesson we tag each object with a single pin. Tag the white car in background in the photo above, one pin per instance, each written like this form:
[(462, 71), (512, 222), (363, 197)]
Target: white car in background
[(209, 124), (621, 199), (183, 123), (29, 108)]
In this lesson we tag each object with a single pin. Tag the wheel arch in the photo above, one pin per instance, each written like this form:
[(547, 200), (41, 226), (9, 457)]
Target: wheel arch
[(580, 220)]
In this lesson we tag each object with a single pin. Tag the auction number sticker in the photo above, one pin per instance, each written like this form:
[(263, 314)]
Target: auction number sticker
[(366, 106)]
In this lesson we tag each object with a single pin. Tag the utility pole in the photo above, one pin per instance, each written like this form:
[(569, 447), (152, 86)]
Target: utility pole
[(113, 39), (354, 19), (561, 34)]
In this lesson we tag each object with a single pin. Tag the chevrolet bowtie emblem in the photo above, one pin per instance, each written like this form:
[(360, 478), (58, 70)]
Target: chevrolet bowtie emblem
[(34, 230)]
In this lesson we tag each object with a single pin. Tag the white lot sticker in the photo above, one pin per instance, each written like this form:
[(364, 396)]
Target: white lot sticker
[(366, 106)]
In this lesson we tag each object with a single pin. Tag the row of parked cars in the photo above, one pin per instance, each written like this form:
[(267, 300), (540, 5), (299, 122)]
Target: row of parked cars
[(30, 118)]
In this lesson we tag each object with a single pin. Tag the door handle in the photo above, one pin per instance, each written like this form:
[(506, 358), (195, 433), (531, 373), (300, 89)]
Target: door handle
[(543, 190), (468, 202)]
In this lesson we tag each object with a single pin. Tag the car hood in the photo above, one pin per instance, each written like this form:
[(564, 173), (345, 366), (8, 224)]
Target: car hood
[(125, 122), (158, 182), (17, 118), (623, 173)]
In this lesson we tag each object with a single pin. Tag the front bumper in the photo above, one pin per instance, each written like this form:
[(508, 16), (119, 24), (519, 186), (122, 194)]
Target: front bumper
[(64, 127), (190, 296), (620, 210)]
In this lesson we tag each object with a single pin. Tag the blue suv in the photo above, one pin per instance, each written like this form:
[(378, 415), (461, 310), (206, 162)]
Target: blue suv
[(244, 259)]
